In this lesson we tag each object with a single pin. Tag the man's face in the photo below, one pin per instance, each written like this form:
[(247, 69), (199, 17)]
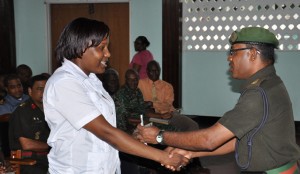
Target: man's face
[(132, 81), (240, 61), (153, 72), (36, 92), (15, 88), (112, 83), (25, 75)]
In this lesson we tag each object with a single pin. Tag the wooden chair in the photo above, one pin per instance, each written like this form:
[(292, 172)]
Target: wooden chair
[(15, 158), (4, 117)]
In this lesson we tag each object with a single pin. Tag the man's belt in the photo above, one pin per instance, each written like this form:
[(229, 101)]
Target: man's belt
[(28, 154), (289, 168)]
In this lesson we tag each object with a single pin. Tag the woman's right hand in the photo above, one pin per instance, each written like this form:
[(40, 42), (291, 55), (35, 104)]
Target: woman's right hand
[(174, 163)]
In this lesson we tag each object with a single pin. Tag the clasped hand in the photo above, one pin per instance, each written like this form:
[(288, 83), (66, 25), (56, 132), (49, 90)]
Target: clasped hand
[(148, 135)]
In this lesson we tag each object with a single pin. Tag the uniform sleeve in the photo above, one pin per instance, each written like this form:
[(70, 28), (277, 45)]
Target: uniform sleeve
[(246, 115), (71, 100), (17, 129)]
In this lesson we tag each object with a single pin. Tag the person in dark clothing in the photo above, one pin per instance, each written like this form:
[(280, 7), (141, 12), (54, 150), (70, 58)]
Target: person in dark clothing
[(25, 73), (28, 130), (111, 81)]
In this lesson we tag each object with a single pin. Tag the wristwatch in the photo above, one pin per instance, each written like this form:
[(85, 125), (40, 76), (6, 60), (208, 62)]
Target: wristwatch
[(159, 137)]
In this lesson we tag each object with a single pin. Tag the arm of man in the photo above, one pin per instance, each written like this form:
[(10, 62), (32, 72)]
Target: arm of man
[(207, 139), (33, 145), (125, 143), (228, 147)]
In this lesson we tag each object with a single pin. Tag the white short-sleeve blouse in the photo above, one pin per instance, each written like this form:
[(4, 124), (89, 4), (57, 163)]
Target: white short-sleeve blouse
[(71, 100)]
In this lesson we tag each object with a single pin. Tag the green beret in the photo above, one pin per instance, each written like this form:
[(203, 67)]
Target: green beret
[(254, 35)]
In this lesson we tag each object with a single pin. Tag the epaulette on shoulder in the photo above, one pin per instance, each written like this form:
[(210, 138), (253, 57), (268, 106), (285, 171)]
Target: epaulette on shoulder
[(256, 83), (23, 104)]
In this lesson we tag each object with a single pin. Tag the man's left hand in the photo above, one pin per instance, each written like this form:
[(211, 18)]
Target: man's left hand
[(147, 134)]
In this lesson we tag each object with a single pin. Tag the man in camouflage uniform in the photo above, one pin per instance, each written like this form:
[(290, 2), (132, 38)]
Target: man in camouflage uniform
[(28, 129), (130, 104)]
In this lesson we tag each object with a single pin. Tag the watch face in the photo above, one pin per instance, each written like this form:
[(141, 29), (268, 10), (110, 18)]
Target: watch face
[(159, 138)]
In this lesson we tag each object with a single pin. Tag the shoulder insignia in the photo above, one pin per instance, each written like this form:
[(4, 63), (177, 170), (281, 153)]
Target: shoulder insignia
[(256, 83), (23, 104)]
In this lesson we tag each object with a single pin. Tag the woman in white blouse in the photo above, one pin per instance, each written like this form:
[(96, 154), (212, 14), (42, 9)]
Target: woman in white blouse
[(81, 114)]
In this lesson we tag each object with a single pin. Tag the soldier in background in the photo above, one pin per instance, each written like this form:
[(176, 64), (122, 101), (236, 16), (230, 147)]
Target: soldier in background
[(28, 129)]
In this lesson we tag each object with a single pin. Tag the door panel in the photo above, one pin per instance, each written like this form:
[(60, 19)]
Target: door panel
[(115, 15)]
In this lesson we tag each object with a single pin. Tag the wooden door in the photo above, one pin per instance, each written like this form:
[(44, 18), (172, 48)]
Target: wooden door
[(115, 15)]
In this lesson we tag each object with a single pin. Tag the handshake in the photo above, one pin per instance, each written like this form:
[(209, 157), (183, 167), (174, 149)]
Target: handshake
[(172, 158)]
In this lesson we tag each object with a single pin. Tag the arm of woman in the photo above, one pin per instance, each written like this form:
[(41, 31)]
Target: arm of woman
[(125, 143)]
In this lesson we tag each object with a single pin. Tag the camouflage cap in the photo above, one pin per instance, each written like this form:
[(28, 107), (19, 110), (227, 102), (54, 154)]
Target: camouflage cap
[(254, 35)]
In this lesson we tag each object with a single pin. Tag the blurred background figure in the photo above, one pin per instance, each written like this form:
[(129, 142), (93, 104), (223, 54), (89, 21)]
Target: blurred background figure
[(25, 73), (111, 81), (2, 77), (142, 57), (28, 130), (2, 96), (15, 95)]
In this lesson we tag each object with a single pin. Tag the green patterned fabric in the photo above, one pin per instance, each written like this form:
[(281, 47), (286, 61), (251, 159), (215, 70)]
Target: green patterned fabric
[(130, 104)]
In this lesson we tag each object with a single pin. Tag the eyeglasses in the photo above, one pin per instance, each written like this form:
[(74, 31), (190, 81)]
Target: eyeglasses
[(233, 51)]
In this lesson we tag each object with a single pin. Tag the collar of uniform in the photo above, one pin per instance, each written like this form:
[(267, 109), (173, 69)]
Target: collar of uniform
[(73, 69), (258, 77), (13, 101)]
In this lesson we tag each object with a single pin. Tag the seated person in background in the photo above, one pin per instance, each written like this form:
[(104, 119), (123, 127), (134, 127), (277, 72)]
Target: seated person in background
[(161, 94), (2, 77), (15, 94), (1, 155), (5, 166), (25, 73), (3, 94), (130, 104), (46, 74), (111, 81), (28, 130)]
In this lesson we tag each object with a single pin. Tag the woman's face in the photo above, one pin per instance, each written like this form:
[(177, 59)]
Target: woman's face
[(94, 59), (139, 45)]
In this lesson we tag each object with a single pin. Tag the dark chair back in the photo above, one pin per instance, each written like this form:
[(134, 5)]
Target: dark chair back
[(4, 140)]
